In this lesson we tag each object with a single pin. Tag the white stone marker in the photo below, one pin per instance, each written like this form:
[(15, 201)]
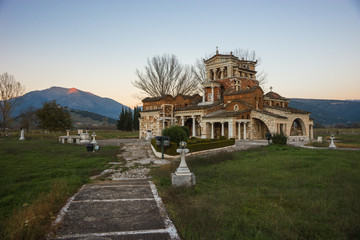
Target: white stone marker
[(332, 144), (93, 141), (183, 177), (22, 135)]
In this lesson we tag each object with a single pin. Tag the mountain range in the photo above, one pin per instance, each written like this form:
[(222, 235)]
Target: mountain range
[(72, 98), (325, 112)]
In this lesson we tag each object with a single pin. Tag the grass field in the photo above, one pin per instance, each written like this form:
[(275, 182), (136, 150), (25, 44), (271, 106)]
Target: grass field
[(37, 176), (273, 192), (100, 134)]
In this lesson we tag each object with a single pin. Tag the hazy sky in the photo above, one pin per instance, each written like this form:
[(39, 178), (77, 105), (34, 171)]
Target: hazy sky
[(310, 49)]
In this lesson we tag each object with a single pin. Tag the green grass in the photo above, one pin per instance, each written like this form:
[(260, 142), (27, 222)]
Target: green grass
[(100, 134), (341, 141), (37, 176), (273, 192)]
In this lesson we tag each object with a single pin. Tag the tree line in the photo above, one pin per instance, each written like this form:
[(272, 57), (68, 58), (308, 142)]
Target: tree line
[(129, 120)]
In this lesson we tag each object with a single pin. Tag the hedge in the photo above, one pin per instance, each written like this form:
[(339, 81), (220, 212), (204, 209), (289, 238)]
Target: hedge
[(195, 145)]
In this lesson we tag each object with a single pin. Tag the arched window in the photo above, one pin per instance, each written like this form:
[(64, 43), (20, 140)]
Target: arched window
[(248, 116), (236, 107), (218, 96), (209, 96), (155, 107), (150, 107)]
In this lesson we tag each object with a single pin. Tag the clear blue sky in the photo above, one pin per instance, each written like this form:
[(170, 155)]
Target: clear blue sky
[(310, 49)]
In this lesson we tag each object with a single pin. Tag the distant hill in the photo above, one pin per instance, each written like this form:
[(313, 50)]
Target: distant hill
[(72, 98), (329, 112), (80, 119)]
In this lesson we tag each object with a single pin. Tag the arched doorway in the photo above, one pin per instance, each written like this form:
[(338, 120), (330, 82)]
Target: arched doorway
[(297, 128), (260, 129)]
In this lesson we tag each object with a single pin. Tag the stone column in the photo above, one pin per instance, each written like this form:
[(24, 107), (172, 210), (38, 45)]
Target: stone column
[(214, 76), (230, 71), (244, 130), (212, 130), (182, 121), (239, 132), (221, 73), (203, 97), (193, 126), (230, 126), (212, 94), (140, 128), (208, 74), (222, 128)]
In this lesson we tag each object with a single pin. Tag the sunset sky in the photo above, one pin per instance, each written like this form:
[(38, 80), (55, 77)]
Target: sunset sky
[(309, 48)]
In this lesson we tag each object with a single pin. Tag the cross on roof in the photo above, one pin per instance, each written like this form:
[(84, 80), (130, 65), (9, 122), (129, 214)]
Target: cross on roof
[(271, 88)]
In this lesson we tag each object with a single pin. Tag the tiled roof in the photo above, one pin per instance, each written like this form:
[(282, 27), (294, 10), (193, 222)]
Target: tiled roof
[(242, 102), (197, 106), (149, 99), (234, 92), (274, 95), (289, 109), (269, 113), (224, 113)]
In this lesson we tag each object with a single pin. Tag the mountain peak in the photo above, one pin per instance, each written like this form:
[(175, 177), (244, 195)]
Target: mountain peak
[(72, 90)]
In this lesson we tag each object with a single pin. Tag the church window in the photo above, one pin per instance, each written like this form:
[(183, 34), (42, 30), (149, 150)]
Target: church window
[(151, 108), (155, 107), (209, 96), (236, 107), (218, 96)]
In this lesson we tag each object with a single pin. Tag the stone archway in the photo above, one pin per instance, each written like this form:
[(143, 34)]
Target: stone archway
[(297, 128), (259, 129)]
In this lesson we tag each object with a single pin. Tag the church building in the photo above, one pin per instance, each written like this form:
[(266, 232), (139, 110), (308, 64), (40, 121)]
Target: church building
[(232, 105)]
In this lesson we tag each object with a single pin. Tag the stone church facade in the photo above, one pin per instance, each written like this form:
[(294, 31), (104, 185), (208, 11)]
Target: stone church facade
[(232, 105)]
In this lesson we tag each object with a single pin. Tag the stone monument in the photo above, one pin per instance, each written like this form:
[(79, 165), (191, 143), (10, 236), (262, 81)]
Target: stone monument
[(93, 140), (332, 144), (183, 177), (22, 135)]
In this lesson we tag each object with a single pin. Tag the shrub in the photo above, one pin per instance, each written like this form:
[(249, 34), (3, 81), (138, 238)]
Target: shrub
[(222, 138), (176, 133), (187, 130), (279, 139)]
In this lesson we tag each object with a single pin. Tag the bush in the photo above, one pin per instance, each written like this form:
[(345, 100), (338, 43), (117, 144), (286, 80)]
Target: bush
[(187, 130), (222, 138), (279, 139), (195, 145), (176, 133)]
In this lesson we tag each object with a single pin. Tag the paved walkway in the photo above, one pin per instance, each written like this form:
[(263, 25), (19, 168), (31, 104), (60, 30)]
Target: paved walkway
[(128, 207), (116, 210)]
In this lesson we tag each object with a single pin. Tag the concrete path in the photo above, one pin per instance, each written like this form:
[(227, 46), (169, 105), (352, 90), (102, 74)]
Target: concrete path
[(115, 210)]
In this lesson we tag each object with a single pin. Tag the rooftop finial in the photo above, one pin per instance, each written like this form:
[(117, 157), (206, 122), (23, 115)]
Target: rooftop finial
[(271, 88), (217, 50)]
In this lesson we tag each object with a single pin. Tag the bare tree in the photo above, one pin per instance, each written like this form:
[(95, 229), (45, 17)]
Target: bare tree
[(10, 91), (28, 118), (199, 73), (165, 75), (250, 55)]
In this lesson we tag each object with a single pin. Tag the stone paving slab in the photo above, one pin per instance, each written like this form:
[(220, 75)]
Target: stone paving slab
[(147, 236), (116, 216), (114, 192), (115, 210)]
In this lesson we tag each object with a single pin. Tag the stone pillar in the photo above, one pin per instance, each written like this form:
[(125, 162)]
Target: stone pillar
[(208, 74), (244, 130), (222, 129), (212, 130), (163, 123), (221, 73), (239, 132), (182, 121), (214, 72), (212, 94), (203, 97), (193, 126), (230, 126), (140, 128)]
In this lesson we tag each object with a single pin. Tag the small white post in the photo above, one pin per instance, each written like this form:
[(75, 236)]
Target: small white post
[(193, 126), (22, 135), (222, 129)]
